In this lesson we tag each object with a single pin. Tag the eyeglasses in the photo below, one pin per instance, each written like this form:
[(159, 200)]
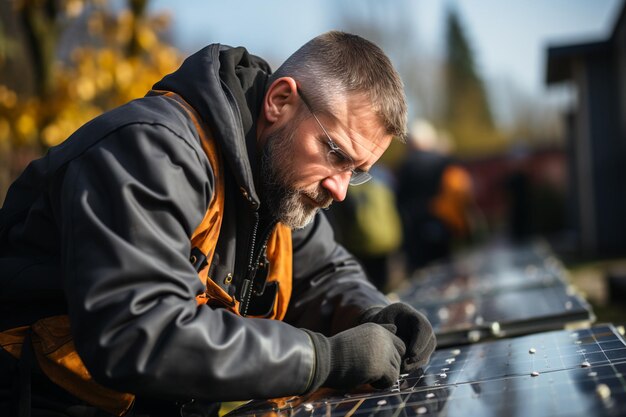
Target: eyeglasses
[(337, 157)]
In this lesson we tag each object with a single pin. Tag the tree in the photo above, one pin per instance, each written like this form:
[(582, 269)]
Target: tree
[(85, 59), (467, 115)]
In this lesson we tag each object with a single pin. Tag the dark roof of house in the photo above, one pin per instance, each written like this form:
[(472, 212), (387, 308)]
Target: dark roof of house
[(560, 57)]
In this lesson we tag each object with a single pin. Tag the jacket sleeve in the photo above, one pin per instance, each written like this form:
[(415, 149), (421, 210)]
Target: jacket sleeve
[(330, 288), (127, 209)]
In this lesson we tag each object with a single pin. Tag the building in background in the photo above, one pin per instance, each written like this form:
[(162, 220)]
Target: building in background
[(596, 138)]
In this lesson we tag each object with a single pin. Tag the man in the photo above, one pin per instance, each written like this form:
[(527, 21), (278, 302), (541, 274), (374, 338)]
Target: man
[(143, 257), (434, 199)]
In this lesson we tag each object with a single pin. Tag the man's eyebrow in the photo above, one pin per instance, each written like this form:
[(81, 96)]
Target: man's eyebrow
[(359, 144), (351, 132)]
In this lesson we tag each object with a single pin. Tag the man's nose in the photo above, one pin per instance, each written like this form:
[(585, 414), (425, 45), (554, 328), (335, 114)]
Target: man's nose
[(337, 185)]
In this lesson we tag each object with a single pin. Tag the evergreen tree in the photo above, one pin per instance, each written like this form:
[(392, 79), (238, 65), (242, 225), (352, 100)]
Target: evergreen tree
[(467, 115)]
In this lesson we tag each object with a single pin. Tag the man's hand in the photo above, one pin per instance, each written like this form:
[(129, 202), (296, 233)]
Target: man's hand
[(412, 327), (365, 354)]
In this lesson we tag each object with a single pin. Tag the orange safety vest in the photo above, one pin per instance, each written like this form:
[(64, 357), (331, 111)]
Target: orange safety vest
[(453, 200), (52, 341)]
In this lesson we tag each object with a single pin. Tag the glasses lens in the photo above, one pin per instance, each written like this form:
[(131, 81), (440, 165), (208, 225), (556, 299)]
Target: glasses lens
[(360, 177), (342, 162)]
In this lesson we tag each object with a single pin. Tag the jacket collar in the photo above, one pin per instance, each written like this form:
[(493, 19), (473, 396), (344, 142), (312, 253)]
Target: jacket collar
[(226, 87)]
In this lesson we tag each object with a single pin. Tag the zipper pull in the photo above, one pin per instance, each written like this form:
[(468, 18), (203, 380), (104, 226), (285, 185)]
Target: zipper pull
[(261, 274)]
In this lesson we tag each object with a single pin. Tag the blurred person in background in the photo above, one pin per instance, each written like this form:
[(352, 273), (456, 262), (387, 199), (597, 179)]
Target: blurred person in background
[(171, 254), (435, 199)]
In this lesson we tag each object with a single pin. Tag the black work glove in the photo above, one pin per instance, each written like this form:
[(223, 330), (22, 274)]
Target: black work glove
[(412, 327), (365, 354)]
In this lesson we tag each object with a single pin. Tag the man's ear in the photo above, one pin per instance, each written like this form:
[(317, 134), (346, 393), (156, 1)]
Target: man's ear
[(280, 99)]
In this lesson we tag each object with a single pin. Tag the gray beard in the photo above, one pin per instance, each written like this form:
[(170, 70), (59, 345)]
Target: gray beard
[(287, 204)]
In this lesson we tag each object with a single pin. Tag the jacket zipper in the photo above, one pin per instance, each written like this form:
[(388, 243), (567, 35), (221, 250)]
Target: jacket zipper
[(248, 287)]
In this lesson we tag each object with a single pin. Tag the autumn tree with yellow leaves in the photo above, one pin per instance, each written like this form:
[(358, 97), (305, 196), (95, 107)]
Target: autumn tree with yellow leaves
[(64, 62)]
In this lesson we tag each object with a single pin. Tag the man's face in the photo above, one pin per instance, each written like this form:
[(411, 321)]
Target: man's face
[(296, 177)]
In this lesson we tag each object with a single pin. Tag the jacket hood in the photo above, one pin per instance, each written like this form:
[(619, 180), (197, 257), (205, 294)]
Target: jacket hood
[(226, 87)]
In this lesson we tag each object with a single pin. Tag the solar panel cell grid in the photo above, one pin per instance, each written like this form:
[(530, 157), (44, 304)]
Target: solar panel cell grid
[(558, 373)]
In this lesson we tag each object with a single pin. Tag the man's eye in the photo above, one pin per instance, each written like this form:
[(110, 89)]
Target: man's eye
[(339, 160), (336, 158)]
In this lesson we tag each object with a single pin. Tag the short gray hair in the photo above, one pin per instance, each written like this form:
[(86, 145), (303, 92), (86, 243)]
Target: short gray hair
[(335, 64)]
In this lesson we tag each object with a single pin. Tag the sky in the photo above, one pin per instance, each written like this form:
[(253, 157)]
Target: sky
[(509, 37)]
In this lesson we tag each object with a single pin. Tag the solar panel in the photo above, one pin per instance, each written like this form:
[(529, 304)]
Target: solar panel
[(505, 314), (495, 292), (556, 373), (487, 270)]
